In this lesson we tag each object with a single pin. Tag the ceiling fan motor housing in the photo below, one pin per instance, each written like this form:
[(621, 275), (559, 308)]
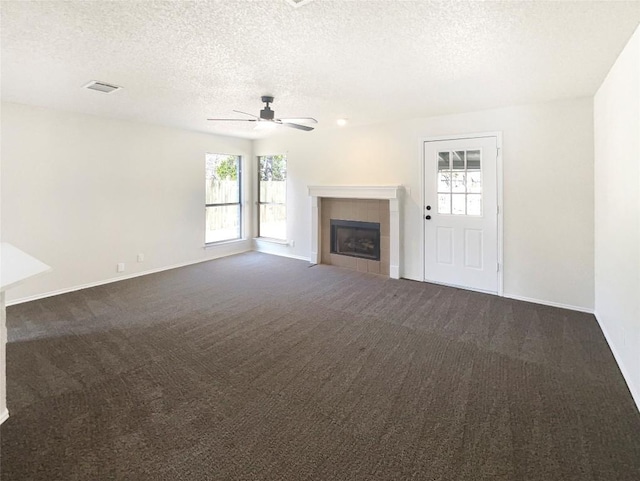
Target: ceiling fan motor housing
[(267, 113)]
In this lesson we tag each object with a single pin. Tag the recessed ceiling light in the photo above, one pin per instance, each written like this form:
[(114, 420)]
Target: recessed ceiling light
[(101, 87), (341, 122)]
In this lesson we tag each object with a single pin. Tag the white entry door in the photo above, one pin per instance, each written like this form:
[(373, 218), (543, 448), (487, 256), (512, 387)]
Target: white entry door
[(461, 213)]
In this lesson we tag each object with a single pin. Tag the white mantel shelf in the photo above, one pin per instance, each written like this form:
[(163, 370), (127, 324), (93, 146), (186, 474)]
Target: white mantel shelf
[(356, 191), (392, 193)]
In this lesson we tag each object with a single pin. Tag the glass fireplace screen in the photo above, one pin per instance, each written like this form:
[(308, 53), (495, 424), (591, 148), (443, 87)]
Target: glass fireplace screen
[(356, 239)]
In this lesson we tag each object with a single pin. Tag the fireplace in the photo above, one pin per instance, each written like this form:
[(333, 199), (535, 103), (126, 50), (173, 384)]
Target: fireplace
[(355, 239), (369, 204)]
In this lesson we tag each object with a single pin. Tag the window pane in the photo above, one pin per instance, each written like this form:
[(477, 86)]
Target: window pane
[(458, 204), (474, 204), (223, 223), (473, 160), (273, 191), (221, 179), (272, 183), (272, 176), (458, 160), (444, 181), (474, 182), (273, 221), (443, 161), (458, 184), (444, 203)]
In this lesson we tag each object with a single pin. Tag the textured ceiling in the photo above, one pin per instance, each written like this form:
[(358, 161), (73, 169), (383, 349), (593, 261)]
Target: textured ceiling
[(181, 62)]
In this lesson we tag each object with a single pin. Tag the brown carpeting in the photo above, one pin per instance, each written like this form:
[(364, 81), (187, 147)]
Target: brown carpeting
[(256, 367)]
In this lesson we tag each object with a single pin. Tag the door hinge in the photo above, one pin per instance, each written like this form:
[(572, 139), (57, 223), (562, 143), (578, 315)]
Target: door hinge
[(498, 267), (497, 209)]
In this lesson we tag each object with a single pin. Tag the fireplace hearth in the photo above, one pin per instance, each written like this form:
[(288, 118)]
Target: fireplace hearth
[(355, 239)]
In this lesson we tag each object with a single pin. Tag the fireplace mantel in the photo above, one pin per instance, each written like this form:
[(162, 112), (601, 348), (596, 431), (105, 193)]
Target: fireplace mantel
[(356, 191), (392, 193)]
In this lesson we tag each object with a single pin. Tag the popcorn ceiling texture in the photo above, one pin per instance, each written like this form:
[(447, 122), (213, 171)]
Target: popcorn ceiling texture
[(181, 62)]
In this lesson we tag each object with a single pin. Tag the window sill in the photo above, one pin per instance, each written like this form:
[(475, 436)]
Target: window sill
[(224, 242), (270, 240)]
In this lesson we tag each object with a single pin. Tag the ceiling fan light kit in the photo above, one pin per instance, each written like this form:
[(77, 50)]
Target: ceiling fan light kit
[(268, 115)]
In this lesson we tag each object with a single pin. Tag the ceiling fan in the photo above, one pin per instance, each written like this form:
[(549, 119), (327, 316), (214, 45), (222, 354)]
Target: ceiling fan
[(268, 115)]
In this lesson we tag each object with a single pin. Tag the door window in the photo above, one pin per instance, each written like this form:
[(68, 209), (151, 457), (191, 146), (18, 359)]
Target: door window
[(460, 182)]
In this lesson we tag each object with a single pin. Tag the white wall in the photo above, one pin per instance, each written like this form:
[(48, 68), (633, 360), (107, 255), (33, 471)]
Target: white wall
[(548, 188), (83, 193), (617, 211)]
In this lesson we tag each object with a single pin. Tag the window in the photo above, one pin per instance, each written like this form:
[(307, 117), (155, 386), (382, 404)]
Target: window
[(222, 204), (272, 195), (459, 182)]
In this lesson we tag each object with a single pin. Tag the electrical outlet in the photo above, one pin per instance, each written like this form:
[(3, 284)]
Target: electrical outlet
[(140, 257), (120, 267)]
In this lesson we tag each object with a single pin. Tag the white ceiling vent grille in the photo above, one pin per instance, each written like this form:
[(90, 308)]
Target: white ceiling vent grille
[(298, 3), (101, 87)]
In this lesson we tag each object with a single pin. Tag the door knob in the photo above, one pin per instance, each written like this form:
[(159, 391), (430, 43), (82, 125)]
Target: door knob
[(428, 217)]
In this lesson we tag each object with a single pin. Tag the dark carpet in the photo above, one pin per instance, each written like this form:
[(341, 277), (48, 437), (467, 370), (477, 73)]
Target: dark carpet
[(255, 367)]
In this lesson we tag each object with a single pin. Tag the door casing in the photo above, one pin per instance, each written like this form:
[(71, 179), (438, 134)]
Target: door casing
[(499, 185)]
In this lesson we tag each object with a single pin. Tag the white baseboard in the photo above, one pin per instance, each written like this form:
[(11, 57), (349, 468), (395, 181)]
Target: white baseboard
[(66, 290), (284, 254), (4, 415), (300, 258), (634, 390), (550, 303), (277, 248)]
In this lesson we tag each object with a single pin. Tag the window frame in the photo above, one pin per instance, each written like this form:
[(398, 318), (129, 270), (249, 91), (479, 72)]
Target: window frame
[(239, 203), (260, 203)]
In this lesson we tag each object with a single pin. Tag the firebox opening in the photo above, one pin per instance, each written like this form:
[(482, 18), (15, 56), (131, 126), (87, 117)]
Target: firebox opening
[(355, 239)]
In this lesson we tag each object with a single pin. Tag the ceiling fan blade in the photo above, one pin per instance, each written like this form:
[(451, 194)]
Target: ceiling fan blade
[(296, 126), (245, 113), (235, 120), (302, 120)]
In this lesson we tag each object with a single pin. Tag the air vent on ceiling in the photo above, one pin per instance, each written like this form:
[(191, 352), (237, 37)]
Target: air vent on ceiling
[(101, 87), (298, 3)]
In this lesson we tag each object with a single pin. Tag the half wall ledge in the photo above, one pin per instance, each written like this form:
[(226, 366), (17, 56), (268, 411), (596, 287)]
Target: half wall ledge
[(392, 193)]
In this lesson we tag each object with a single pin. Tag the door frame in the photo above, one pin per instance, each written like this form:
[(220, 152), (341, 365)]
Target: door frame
[(500, 200)]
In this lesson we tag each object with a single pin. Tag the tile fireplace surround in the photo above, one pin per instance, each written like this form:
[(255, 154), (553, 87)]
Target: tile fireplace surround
[(332, 193)]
